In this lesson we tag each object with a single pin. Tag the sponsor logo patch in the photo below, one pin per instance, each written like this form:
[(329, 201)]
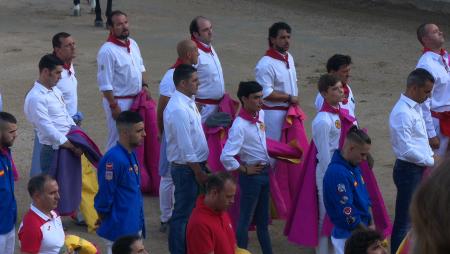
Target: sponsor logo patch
[(341, 187), (109, 175), (347, 210)]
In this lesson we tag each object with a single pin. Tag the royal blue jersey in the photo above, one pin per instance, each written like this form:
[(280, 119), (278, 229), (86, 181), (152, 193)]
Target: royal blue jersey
[(8, 206)]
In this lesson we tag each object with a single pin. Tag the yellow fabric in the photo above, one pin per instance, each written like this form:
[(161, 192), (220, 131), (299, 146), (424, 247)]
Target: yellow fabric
[(74, 242), (88, 190), (241, 251)]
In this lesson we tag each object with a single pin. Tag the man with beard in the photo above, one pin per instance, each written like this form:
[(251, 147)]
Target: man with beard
[(119, 199), (120, 72), (8, 209)]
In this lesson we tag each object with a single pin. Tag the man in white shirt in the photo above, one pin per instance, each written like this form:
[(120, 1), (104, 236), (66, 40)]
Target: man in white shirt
[(340, 66), (187, 151), (276, 73), (409, 141), (247, 138), (187, 54), (209, 70), (120, 72), (436, 110), (46, 111), (41, 230)]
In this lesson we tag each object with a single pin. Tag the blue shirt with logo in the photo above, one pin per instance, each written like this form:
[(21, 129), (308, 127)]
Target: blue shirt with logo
[(8, 206)]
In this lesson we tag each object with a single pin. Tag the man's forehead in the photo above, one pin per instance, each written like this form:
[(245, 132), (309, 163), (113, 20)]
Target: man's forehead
[(203, 23)]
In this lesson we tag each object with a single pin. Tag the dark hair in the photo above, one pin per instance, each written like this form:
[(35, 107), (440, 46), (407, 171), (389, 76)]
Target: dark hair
[(109, 21), (337, 61), (275, 28), (217, 181), (50, 62), (36, 183), (358, 136), (56, 40), (128, 118), (7, 117), (123, 244), (419, 77), (326, 81), (360, 240), (183, 72), (193, 27), (422, 32), (248, 87)]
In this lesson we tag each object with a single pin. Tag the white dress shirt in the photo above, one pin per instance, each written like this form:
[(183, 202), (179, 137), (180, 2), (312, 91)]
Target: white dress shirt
[(186, 141), (119, 70), (326, 132), (167, 86), (68, 86), (409, 137), (273, 75), (248, 140), (46, 110), (210, 75), (440, 96), (350, 106)]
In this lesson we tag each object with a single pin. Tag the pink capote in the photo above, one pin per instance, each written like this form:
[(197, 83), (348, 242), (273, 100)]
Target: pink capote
[(302, 225), (284, 180), (148, 152)]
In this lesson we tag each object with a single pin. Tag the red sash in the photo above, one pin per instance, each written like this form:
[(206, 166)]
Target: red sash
[(67, 67), (265, 107), (208, 101), (244, 114), (177, 63)]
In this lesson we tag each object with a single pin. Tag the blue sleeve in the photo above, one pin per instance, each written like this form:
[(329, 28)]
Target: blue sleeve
[(338, 198), (108, 179)]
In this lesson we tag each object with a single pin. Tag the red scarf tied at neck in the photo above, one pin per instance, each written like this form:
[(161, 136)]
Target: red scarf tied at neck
[(346, 93), (201, 45), (177, 63), (66, 66), (244, 114), (277, 55), (113, 39), (442, 53)]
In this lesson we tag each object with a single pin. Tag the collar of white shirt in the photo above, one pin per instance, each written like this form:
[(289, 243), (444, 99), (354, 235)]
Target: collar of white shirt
[(42, 88), (409, 101), (41, 214), (435, 56), (183, 97)]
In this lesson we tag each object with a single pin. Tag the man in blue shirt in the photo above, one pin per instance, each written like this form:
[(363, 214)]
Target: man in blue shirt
[(346, 198), (8, 206), (119, 200)]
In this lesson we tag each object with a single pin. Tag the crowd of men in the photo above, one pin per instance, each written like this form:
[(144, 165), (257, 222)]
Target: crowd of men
[(193, 201)]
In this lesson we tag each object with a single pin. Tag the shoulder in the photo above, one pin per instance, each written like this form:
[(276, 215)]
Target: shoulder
[(264, 62), (321, 118), (114, 155), (32, 221), (106, 49)]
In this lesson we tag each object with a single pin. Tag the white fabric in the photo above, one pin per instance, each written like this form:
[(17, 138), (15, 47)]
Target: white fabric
[(68, 86), (186, 141), (273, 75), (119, 70), (108, 245), (409, 137), (274, 120), (339, 245), (7, 242), (52, 232), (350, 106), (46, 110), (1, 102), (444, 140), (210, 76), (113, 135), (167, 86), (166, 197), (248, 140)]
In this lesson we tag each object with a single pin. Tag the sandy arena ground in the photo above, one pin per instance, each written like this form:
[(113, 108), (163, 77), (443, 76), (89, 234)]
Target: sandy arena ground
[(380, 39)]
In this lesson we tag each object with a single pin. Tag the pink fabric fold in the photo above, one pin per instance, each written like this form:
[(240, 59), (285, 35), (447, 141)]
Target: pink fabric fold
[(148, 152)]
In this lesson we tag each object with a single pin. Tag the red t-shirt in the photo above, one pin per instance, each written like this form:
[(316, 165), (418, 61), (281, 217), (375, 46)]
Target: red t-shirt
[(209, 231)]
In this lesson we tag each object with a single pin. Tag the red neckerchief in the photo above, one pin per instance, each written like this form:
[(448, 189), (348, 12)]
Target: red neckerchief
[(177, 63), (277, 55), (442, 53), (66, 66), (328, 108), (113, 39), (346, 93), (201, 45), (244, 114)]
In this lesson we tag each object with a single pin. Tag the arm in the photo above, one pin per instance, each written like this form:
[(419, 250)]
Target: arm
[(426, 113), (105, 77), (162, 103), (30, 236), (108, 179), (321, 137), (264, 76)]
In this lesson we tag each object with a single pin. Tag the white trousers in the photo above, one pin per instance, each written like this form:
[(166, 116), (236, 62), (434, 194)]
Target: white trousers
[(166, 197), (274, 119), (325, 246), (339, 245), (443, 139), (7, 242), (113, 136)]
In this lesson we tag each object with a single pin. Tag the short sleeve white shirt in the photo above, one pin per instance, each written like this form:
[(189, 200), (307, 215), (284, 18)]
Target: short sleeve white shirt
[(119, 70), (210, 76), (248, 140), (167, 86), (68, 86), (273, 75)]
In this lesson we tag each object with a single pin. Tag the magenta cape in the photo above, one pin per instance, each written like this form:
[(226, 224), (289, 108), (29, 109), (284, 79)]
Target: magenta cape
[(148, 152), (302, 224)]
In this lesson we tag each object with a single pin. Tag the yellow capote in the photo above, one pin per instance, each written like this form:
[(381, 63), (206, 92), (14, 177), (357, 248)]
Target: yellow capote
[(88, 191)]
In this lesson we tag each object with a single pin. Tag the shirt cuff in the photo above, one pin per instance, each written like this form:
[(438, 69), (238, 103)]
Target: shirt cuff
[(62, 140), (107, 87)]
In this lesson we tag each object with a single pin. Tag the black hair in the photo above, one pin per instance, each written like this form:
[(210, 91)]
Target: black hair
[(123, 244), (128, 118), (56, 40), (422, 31), (360, 241), (193, 27), (217, 181), (109, 21), (419, 77), (183, 72), (358, 136), (337, 61), (326, 81), (246, 88), (7, 117), (36, 183), (275, 28), (50, 62)]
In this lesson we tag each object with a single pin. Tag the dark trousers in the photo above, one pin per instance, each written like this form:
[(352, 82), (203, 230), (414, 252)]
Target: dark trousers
[(407, 177)]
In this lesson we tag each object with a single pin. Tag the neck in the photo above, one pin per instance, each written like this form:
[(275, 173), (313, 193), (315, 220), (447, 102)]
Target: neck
[(188, 94), (45, 84), (435, 49), (126, 145), (186, 61), (409, 94), (279, 50), (252, 112), (209, 203), (334, 104), (43, 210)]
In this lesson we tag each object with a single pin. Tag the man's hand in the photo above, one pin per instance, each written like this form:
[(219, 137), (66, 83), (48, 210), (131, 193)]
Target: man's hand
[(149, 94), (255, 169), (71, 147), (294, 100), (437, 160), (115, 111), (201, 177), (434, 142)]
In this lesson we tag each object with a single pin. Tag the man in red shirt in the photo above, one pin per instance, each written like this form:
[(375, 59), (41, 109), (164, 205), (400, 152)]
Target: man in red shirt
[(209, 230)]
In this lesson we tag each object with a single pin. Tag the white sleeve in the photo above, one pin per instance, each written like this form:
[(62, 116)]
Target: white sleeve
[(105, 72), (178, 125), (426, 113), (319, 102), (264, 76), (166, 86), (232, 148), (321, 136)]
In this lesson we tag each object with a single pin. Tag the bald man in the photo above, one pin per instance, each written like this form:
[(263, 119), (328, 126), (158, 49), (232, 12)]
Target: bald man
[(187, 54)]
